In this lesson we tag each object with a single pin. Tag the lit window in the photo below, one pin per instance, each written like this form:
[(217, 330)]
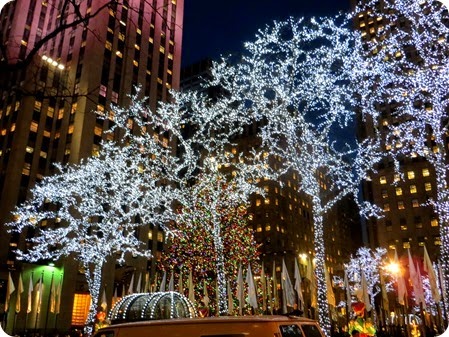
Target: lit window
[(415, 203), (150, 235), (411, 174), (108, 45), (428, 186), (403, 227), (405, 244), (397, 178), (425, 172), (258, 202), (398, 191), (387, 207), (401, 205), (259, 228), (267, 201), (267, 227), (434, 222), (383, 180), (436, 241), (160, 236), (33, 126), (81, 303), (413, 189)]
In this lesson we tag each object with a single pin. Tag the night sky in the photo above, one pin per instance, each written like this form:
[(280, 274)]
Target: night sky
[(220, 27)]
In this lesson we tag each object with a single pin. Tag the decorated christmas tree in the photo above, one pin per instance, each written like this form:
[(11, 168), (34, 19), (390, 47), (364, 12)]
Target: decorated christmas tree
[(193, 247)]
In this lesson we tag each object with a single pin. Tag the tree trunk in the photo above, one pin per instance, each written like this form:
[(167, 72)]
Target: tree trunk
[(322, 301), (221, 277), (94, 283)]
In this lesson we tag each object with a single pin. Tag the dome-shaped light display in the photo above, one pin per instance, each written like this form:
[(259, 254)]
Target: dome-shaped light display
[(159, 305)]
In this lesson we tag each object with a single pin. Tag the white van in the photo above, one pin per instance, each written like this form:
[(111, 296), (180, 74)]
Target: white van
[(224, 326)]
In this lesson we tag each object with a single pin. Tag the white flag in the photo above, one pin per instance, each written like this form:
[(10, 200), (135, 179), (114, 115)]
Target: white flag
[(19, 294), (171, 283), (39, 292), (230, 300), (416, 282), (402, 290), (58, 296), (30, 294), (252, 296), (428, 268), (10, 288), (298, 286), (191, 288), (131, 285), (164, 280), (240, 289), (287, 289)]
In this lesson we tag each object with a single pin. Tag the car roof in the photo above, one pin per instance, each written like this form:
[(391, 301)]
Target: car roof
[(219, 319)]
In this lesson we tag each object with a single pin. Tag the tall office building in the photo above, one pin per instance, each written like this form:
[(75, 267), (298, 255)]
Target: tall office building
[(407, 221), (47, 108)]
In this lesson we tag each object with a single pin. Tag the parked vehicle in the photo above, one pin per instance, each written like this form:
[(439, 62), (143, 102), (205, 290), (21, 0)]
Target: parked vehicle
[(224, 326)]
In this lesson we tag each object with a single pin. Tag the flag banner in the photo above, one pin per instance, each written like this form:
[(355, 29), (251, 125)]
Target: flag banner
[(402, 290), (30, 294), (139, 283), (163, 282), (230, 299), (416, 282), (298, 286), (287, 289), (52, 296), (252, 295), (39, 292), (191, 288), (385, 301), (171, 283), (19, 294), (10, 288), (131, 285), (240, 290), (58, 296), (431, 275)]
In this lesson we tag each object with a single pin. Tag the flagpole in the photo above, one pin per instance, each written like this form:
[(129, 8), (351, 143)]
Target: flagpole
[(30, 282)]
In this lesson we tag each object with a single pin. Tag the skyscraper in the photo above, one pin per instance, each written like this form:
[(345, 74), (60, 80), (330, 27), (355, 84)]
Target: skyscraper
[(94, 53), (409, 221)]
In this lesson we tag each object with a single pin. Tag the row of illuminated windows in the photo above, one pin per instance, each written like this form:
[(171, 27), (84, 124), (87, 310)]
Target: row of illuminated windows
[(412, 188), (401, 205), (268, 228), (410, 176), (406, 243), (404, 226), (160, 236)]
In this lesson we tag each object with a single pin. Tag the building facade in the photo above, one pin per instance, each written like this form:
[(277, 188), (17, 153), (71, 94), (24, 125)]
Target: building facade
[(408, 222), (48, 114)]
